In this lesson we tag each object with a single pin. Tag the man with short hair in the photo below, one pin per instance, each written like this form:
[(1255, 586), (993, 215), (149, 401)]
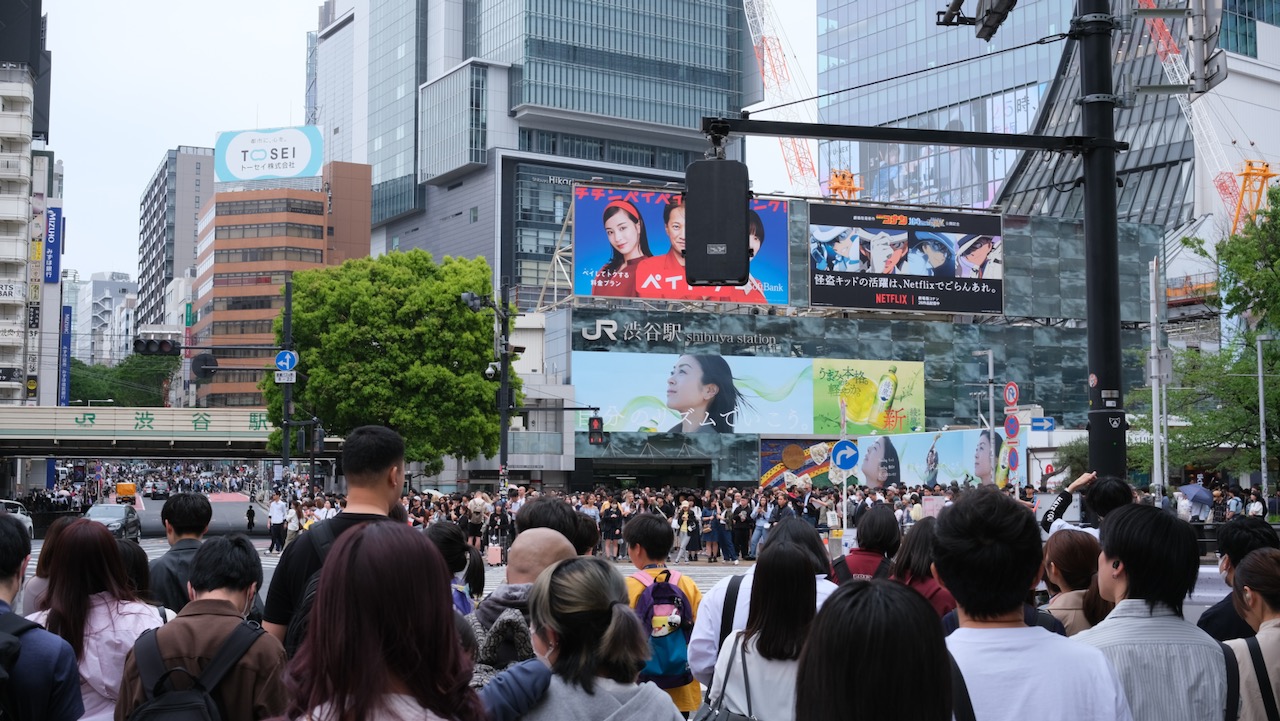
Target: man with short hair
[(1236, 539), (649, 540), (987, 553), (44, 684), (548, 512), (224, 577), (186, 519), (1149, 564), (373, 462), (1102, 495), (275, 513)]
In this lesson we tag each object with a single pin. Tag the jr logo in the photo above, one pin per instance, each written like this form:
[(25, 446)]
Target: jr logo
[(603, 327)]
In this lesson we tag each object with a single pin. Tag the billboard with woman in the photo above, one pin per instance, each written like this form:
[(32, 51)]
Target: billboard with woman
[(936, 458), (629, 243)]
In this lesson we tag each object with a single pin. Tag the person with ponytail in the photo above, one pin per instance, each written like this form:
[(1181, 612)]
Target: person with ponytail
[(585, 631), (382, 644), (625, 230), (1071, 573)]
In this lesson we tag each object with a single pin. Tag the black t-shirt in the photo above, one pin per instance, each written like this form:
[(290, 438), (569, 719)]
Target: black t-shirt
[(1223, 623), (298, 562)]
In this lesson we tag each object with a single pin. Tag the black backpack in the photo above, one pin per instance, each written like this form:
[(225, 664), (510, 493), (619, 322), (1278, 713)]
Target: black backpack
[(323, 536), (164, 702), (11, 627)]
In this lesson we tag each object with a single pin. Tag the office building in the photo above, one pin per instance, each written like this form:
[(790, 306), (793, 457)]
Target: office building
[(167, 217), (251, 241), (93, 340), (509, 102), (17, 96)]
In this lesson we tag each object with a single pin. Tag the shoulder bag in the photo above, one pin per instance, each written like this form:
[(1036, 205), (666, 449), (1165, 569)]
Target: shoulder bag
[(716, 711)]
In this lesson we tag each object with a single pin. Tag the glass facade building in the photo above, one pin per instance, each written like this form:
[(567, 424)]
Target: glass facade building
[(859, 41), (397, 66)]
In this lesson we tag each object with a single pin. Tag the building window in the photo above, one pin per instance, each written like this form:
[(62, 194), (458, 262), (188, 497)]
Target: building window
[(475, 214), (268, 230)]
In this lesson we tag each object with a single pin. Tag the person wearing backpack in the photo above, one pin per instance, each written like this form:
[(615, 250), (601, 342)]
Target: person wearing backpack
[(878, 541), (373, 463), (38, 675), (667, 603), (248, 684)]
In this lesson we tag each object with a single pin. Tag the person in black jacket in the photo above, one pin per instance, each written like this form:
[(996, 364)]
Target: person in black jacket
[(1236, 539)]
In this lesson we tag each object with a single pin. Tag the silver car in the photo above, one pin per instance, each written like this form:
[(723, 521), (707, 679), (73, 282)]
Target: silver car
[(19, 510)]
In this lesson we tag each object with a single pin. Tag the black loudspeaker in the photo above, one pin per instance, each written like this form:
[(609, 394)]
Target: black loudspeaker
[(717, 198)]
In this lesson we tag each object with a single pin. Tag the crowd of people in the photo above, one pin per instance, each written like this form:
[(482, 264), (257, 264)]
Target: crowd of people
[(365, 619)]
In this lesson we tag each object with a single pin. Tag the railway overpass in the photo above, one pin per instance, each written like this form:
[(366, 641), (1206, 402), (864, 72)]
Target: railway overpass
[(123, 432)]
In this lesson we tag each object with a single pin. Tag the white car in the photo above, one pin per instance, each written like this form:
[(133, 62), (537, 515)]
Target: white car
[(20, 511)]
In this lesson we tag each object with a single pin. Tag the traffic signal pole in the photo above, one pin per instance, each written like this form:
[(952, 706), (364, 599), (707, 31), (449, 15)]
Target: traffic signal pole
[(504, 384), (286, 330)]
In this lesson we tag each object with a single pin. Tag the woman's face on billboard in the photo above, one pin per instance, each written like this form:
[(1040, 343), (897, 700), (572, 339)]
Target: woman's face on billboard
[(623, 234)]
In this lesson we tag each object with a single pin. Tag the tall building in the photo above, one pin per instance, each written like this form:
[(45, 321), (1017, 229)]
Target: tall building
[(22, 40), (17, 97), (97, 299), (251, 241), (167, 218), (510, 101)]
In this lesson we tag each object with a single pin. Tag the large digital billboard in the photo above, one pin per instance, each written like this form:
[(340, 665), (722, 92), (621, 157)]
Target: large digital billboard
[(710, 393), (629, 243), (270, 153), (919, 260), (938, 458)]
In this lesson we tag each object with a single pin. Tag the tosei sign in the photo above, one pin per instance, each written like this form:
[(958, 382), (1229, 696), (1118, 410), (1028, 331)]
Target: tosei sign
[(889, 259), (273, 153)]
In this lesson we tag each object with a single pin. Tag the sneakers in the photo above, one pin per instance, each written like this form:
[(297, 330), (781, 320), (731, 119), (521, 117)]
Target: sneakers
[(735, 561)]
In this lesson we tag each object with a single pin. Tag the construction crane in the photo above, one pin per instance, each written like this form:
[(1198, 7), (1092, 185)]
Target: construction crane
[(1253, 194), (779, 88)]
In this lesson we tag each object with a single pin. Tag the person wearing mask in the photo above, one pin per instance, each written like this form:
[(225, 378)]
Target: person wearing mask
[(355, 660), (1237, 538), (91, 606), (44, 682), (1149, 564), (1256, 593), (584, 629), (373, 462), (987, 553), (223, 578)]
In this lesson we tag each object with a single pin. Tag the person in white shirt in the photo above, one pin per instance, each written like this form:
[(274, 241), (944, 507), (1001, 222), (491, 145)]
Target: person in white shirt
[(704, 644), (755, 674), (987, 553), (276, 512)]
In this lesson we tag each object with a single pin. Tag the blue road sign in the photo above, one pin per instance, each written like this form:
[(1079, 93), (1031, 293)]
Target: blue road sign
[(1013, 459), (1011, 427), (286, 360), (844, 455), (1043, 424)]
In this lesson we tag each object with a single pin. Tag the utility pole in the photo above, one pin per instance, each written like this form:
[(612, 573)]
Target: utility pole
[(286, 328), (504, 383), (1158, 476), (1094, 27)]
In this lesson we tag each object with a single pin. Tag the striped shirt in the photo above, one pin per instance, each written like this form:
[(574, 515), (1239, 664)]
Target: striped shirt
[(1171, 670)]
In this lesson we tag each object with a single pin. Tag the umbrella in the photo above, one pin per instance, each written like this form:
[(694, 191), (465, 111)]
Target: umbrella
[(1197, 493)]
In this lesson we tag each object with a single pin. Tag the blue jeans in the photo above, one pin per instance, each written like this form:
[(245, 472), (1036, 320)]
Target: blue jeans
[(757, 538)]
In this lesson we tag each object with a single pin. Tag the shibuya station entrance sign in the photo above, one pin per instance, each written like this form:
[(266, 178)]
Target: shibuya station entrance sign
[(879, 258)]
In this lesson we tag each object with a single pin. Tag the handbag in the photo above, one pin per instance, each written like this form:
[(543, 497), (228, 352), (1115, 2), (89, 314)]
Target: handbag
[(716, 711)]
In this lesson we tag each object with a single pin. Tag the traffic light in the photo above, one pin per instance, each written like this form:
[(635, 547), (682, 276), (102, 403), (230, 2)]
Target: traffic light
[(595, 431), (156, 346)]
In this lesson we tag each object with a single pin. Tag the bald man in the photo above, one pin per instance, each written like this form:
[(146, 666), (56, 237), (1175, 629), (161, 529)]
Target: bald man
[(501, 621)]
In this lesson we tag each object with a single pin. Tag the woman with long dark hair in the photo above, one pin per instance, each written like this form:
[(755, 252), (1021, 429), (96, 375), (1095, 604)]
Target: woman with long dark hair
[(872, 626), (451, 541), (912, 566), (91, 605), (1071, 573), (380, 651), (756, 670), (36, 588), (701, 389), (625, 230), (584, 629)]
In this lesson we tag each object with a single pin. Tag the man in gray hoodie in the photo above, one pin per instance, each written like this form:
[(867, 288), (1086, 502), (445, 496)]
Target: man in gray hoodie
[(501, 621)]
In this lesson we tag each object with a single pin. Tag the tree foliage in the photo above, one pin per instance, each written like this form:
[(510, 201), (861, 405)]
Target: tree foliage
[(387, 341), (1249, 265), (136, 381), (1213, 407)]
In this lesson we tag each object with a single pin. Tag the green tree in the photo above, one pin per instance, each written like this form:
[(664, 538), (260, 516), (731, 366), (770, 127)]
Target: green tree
[(1249, 265), (1213, 407), (135, 381), (388, 341)]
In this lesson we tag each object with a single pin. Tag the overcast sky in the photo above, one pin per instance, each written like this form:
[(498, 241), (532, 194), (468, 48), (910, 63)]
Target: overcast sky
[(134, 80)]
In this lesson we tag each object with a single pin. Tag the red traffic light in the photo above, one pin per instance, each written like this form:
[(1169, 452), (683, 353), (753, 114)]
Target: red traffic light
[(595, 431)]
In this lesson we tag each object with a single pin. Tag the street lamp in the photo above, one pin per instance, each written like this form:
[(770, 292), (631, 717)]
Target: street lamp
[(1262, 412), (991, 403), (477, 303), (91, 402)]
